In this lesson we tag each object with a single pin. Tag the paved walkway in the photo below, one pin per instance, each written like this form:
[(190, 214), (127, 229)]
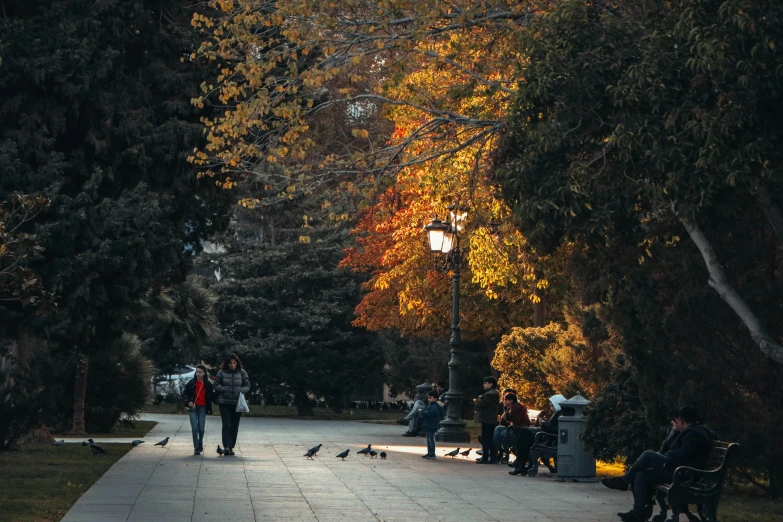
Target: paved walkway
[(269, 479)]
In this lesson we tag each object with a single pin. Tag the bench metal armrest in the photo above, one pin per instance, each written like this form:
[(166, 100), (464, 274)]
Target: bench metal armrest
[(701, 480), (545, 439)]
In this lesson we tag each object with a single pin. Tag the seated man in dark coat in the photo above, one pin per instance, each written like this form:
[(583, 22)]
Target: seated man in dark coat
[(688, 445)]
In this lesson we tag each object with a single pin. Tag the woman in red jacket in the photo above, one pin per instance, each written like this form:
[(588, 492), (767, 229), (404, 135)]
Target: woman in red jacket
[(198, 397)]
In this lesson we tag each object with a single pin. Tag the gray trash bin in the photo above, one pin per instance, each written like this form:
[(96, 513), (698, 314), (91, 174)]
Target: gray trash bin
[(574, 461)]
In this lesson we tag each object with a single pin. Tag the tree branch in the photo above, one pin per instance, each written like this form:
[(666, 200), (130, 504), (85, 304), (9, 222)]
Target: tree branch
[(720, 283)]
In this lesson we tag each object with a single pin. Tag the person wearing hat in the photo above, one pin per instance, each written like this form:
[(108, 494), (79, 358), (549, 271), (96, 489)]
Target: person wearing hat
[(689, 447)]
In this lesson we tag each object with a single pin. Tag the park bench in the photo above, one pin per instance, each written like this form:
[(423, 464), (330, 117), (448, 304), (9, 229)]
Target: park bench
[(544, 447), (702, 487)]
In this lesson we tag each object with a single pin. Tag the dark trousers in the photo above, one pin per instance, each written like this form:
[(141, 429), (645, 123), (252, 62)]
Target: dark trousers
[(649, 470), (230, 418), (487, 442), (431, 442), (524, 443)]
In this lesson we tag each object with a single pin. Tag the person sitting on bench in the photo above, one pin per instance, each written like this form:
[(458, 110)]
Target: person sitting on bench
[(689, 445), (514, 414), (525, 441)]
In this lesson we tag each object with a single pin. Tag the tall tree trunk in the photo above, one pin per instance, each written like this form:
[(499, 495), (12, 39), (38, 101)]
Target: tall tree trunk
[(775, 482), (720, 283), (302, 403), (771, 211), (80, 394), (539, 308)]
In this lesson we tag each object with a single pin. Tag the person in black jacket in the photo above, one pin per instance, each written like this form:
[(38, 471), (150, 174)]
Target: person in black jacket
[(198, 397), (487, 413), (689, 446), (230, 381)]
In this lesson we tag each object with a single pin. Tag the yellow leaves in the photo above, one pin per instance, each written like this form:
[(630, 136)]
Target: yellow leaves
[(360, 133), (250, 203), (305, 239), (225, 5), (673, 241)]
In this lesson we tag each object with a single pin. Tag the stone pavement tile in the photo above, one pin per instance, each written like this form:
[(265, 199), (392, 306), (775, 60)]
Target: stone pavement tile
[(85, 517), (332, 515), (286, 517), (237, 510), (270, 480), (161, 511), (109, 510)]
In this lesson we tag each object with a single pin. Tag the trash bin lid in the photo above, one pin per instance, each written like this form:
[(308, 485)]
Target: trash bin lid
[(576, 400)]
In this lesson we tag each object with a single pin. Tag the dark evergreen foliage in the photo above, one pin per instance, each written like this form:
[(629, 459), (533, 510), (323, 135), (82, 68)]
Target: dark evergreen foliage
[(626, 114), (286, 308), (96, 116)]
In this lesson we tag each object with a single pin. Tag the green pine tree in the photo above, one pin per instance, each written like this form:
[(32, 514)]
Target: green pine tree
[(286, 307), (96, 116)]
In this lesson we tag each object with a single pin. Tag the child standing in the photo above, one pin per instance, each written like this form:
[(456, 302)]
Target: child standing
[(430, 419)]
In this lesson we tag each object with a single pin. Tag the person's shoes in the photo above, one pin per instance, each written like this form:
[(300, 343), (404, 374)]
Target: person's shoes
[(492, 462), (424, 456), (431, 457), (636, 515), (229, 452), (196, 451), (615, 483), (481, 461), (522, 471), (408, 434), (479, 452)]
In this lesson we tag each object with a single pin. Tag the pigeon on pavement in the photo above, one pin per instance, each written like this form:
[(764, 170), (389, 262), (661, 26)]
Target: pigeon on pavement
[(452, 454), (315, 449), (163, 442), (95, 448), (365, 451), (137, 442), (58, 442), (373, 454), (383, 455), (466, 452), (343, 454), (309, 454), (220, 451)]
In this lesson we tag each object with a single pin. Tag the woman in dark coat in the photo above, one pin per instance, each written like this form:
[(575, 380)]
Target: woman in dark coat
[(230, 381), (198, 397), (487, 412)]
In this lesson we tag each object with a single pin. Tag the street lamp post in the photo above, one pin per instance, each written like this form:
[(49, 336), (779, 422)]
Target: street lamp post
[(444, 239)]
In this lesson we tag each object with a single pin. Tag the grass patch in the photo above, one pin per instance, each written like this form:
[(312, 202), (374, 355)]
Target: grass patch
[(41, 481), (749, 508), (140, 429)]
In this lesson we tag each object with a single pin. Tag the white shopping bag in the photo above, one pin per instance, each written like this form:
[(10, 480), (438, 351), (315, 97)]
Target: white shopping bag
[(242, 404)]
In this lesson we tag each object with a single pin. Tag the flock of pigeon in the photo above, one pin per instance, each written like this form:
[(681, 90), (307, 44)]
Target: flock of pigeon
[(98, 450), (367, 452)]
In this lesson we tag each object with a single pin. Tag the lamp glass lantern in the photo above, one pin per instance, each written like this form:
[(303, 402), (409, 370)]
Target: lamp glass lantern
[(437, 233)]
